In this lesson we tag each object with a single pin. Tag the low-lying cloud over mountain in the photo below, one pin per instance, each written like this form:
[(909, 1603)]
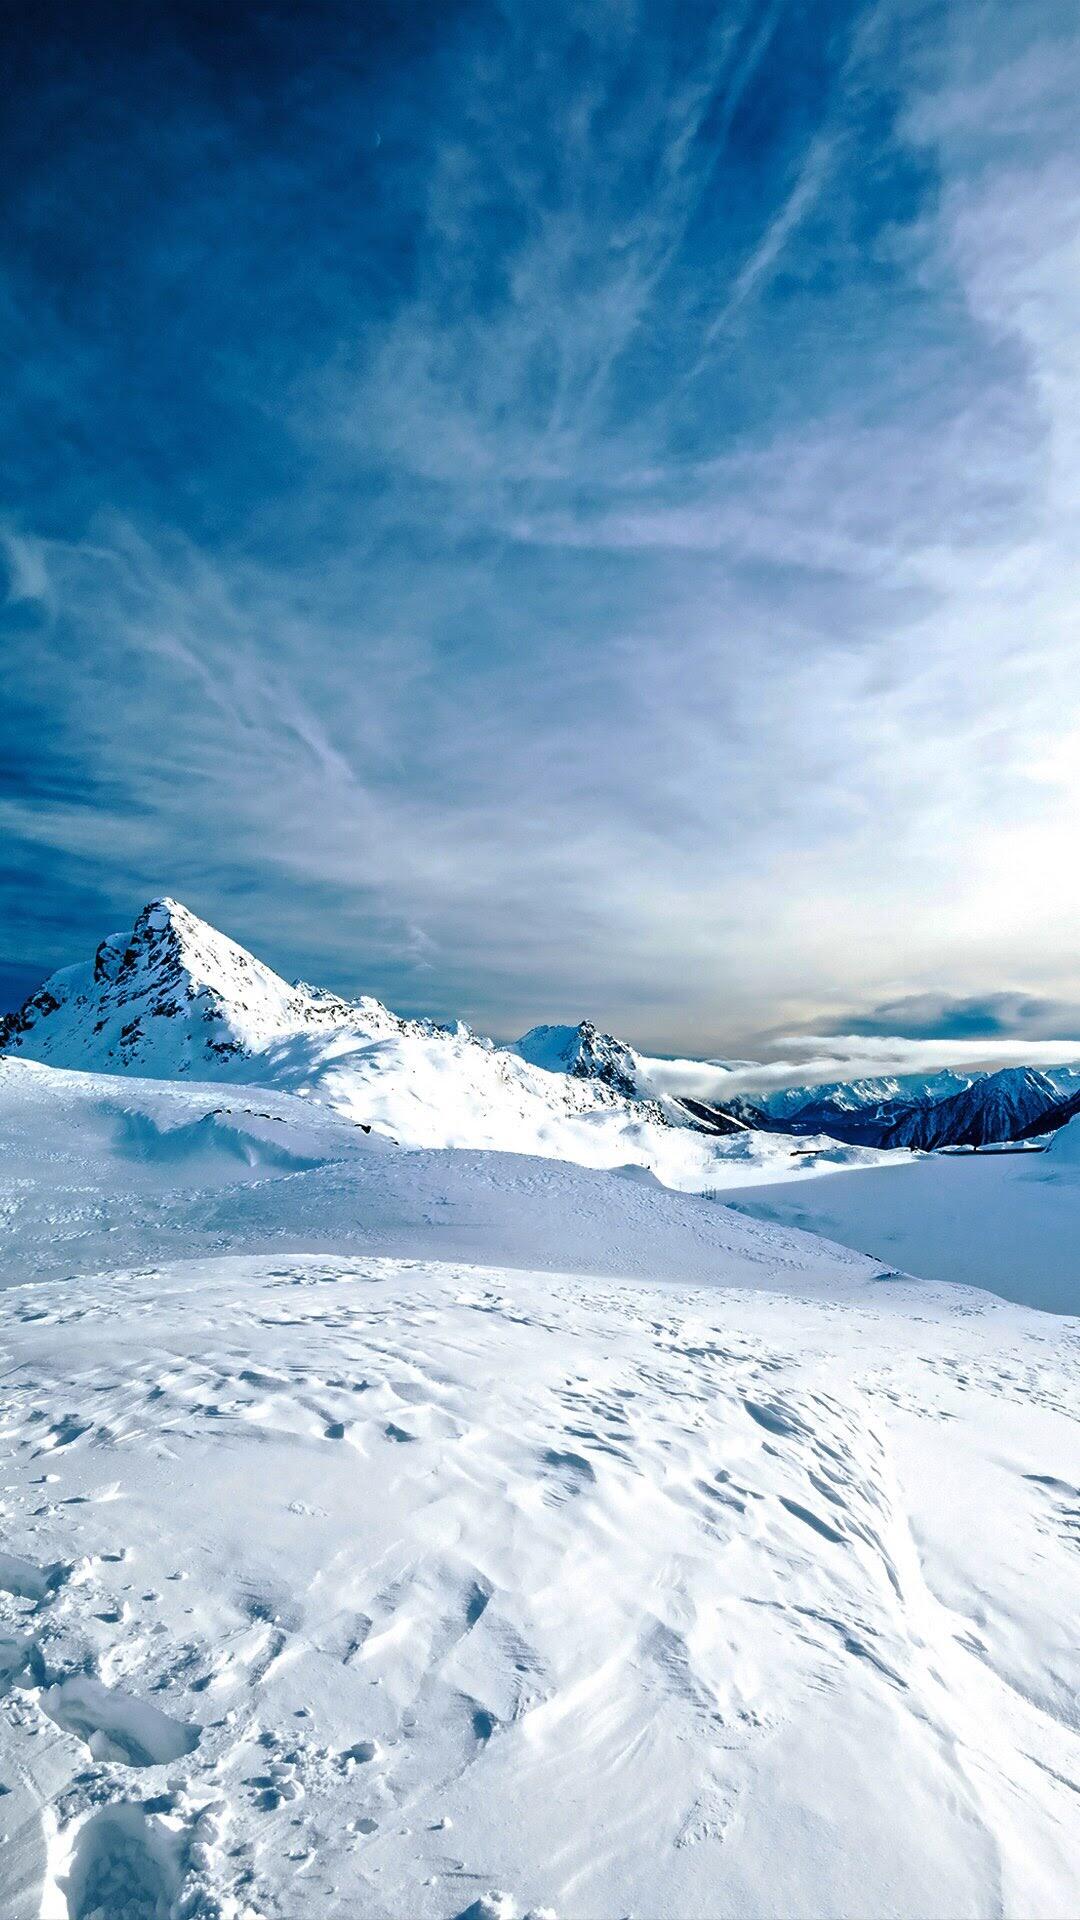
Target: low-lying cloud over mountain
[(809, 1060)]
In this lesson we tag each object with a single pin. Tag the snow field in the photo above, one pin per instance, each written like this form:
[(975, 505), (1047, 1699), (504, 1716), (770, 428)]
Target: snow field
[(470, 1535), (1007, 1221), (532, 1591)]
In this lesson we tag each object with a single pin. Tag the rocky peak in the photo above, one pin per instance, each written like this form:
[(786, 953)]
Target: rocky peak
[(585, 1052)]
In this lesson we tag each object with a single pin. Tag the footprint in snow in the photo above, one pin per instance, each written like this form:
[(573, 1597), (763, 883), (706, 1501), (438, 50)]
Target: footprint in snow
[(25, 1581), (115, 1726), (120, 1863)]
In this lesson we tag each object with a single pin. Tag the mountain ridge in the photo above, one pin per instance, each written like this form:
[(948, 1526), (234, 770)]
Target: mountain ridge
[(174, 998)]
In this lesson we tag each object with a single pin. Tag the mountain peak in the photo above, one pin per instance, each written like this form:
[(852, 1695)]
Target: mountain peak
[(1000, 1106), (171, 946), (583, 1051), (170, 996)]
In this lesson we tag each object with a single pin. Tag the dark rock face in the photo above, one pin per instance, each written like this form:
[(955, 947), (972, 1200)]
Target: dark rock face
[(601, 1057), (13, 1025), (713, 1119), (1050, 1120)]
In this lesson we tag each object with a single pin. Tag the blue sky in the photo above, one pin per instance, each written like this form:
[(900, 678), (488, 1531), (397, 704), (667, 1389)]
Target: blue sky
[(533, 511)]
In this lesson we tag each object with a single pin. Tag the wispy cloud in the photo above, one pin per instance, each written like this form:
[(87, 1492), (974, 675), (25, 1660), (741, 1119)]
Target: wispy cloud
[(806, 188), (607, 547)]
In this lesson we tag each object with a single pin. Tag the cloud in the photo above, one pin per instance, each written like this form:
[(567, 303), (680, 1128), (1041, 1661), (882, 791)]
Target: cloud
[(608, 548), (815, 1060), (972, 1018), (812, 175)]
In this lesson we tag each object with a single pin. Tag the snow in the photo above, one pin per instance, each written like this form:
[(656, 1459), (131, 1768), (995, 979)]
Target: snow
[(599, 1595), (1065, 1147), (849, 1096), (451, 1533), (1006, 1221), (422, 1496), (582, 1050), (997, 1108), (104, 1170), (171, 995)]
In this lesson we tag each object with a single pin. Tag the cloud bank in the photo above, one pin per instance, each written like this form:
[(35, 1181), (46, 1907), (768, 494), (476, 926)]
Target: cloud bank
[(814, 1060)]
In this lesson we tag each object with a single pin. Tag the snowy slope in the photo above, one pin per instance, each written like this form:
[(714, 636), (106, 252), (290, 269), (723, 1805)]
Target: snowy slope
[(174, 997), (1065, 1147), (102, 1169), (406, 1579), (1010, 1222)]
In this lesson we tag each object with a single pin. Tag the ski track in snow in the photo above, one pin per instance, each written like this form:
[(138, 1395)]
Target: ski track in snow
[(345, 1586)]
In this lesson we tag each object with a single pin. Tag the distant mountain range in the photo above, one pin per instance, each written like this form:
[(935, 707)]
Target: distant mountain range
[(947, 1110), (175, 998)]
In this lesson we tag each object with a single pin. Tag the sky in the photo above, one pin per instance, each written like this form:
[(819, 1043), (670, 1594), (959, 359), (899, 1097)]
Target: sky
[(542, 511)]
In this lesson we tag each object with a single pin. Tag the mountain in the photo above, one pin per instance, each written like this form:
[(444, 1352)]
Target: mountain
[(715, 1119), (584, 1052), (1052, 1119), (862, 1095), (834, 1114), (174, 999), (980, 1109), (587, 1054), (172, 996), (994, 1109)]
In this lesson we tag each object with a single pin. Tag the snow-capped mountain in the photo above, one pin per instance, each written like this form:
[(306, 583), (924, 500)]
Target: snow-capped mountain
[(981, 1108), (994, 1109), (838, 1097), (172, 996), (854, 1096), (175, 999), (588, 1054), (584, 1052)]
